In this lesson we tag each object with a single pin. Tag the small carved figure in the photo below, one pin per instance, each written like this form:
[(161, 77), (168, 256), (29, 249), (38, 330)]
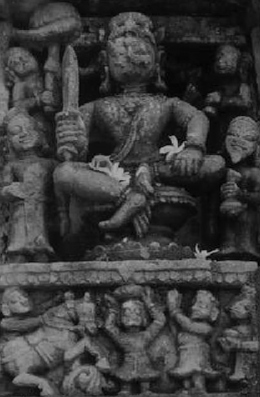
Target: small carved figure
[(24, 78), (83, 378), (87, 313), (134, 335), (231, 68), (27, 184), (135, 121), (51, 25), (194, 364), (240, 192), (42, 342), (87, 327), (233, 96), (240, 339)]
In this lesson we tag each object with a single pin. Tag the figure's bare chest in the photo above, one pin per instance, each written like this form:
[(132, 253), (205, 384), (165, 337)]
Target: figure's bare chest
[(119, 115)]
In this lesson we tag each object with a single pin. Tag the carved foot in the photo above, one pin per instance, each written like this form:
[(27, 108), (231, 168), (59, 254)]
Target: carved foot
[(133, 204)]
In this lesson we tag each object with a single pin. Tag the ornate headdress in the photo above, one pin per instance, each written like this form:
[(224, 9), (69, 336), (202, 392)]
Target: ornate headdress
[(132, 23)]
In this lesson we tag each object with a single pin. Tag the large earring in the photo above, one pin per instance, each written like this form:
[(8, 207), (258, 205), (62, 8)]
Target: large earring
[(105, 87), (159, 84)]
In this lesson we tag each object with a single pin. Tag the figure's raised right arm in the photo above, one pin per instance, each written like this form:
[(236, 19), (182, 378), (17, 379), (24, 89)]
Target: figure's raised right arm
[(72, 132), (110, 324)]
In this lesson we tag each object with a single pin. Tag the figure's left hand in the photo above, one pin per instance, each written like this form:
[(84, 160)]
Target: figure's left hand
[(188, 162)]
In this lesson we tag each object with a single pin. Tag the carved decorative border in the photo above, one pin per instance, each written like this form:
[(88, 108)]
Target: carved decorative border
[(195, 272)]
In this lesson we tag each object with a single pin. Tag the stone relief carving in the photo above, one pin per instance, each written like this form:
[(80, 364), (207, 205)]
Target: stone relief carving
[(24, 78), (141, 118), (75, 336), (194, 365), (240, 338), (239, 192), (137, 336), (27, 185), (51, 25), (45, 341), (133, 168), (135, 185)]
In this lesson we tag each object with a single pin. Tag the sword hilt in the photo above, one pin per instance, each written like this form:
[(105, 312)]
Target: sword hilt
[(69, 150)]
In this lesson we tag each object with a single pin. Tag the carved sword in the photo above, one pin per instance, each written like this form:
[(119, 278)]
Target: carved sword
[(70, 80), (70, 97)]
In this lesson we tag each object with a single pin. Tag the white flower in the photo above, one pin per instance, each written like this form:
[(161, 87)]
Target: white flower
[(103, 164), (204, 253), (119, 173), (171, 150)]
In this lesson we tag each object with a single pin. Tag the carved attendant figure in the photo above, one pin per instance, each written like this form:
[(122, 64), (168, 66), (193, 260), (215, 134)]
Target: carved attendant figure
[(233, 94), (27, 186), (87, 326), (240, 192), (51, 25), (84, 378), (134, 121), (23, 76), (136, 336), (239, 338), (194, 365)]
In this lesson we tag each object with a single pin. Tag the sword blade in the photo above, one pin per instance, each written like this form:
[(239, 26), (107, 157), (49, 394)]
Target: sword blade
[(70, 80)]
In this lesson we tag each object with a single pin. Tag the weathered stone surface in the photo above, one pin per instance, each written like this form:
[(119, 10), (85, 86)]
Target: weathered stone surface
[(178, 30), (182, 272), (107, 290)]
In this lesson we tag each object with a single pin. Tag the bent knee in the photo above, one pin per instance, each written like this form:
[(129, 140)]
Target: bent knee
[(63, 176)]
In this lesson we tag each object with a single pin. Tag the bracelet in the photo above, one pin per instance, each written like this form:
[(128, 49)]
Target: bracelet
[(195, 145)]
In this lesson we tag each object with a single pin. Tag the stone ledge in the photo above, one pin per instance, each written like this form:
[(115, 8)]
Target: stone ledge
[(193, 272)]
